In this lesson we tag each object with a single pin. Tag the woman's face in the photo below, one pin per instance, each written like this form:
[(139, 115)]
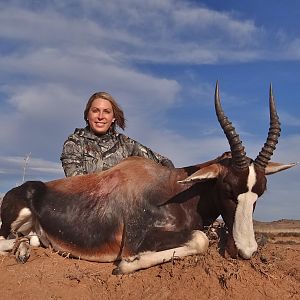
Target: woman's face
[(100, 116)]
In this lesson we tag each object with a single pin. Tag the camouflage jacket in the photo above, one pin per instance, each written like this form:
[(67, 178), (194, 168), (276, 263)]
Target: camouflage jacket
[(84, 152)]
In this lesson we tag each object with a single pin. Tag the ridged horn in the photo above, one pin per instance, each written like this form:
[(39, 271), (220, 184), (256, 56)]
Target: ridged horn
[(274, 132), (237, 150)]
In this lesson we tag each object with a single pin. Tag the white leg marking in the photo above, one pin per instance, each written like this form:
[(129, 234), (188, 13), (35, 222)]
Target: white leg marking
[(6, 245), (34, 239), (23, 223), (198, 244), (243, 232)]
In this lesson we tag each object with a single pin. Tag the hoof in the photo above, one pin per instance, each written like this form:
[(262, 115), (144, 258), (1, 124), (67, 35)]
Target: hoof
[(117, 271), (22, 259), (22, 250)]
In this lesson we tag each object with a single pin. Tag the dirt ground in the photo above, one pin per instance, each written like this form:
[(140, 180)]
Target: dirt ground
[(273, 273)]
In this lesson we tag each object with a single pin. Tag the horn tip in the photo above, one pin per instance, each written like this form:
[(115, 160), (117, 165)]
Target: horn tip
[(217, 93), (271, 89)]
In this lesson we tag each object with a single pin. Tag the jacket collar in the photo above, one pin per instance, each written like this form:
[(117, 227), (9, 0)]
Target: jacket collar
[(87, 133)]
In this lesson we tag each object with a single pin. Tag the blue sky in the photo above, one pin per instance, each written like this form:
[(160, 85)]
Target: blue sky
[(160, 59)]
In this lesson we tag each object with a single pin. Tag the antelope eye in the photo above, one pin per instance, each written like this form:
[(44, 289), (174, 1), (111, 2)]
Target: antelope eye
[(227, 188)]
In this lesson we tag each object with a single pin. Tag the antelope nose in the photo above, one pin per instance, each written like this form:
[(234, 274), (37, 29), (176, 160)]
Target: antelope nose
[(244, 254), (247, 253)]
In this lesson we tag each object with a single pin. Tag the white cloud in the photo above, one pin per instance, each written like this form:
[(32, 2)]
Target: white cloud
[(288, 149), (16, 169), (289, 119), (204, 20), (27, 162), (175, 30)]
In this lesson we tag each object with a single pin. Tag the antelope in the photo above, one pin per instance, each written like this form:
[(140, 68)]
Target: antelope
[(141, 214)]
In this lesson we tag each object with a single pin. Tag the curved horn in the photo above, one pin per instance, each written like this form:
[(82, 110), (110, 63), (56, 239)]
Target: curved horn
[(237, 150), (274, 132)]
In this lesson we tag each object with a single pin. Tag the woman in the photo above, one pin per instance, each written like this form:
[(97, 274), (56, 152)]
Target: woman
[(98, 146)]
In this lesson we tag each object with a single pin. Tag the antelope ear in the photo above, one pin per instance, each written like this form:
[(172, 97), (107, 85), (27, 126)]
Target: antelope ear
[(208, 172), (273, 167)]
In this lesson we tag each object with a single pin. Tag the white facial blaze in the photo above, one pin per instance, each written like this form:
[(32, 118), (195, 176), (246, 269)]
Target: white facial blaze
[(243, 232)]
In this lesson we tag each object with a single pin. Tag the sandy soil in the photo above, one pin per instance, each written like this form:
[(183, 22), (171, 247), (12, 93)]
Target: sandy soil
[(273, 273)]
